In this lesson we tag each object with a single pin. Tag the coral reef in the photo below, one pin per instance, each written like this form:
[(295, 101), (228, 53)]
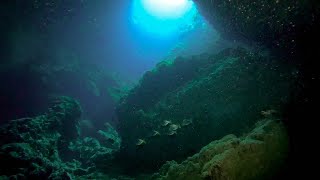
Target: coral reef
[(195, 100), (256, 155)]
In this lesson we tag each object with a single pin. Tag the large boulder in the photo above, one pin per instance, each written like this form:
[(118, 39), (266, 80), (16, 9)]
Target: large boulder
[(178, 108)]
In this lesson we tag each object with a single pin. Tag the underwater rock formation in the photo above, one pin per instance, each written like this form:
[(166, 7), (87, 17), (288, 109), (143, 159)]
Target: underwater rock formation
[(204, 97), (276, 23), (30, 147), (95, 152), (50, 146), (292, 29), (256, 155)]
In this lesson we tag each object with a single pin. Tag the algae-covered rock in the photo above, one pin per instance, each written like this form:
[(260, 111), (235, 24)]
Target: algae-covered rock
[(196, 100), (231, 157), (109, 135), (91, 150), (33, 147), (96, 152), (51, 146)]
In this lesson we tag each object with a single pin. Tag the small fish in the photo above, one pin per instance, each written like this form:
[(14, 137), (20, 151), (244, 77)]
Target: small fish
[(141, 142), (166, 123), (155, 133), (174, 127), (268, 113), (186, 122), (172, 133)]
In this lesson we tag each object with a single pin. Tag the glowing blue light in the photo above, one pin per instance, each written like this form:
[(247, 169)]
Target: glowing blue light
[(170, 9), (163, 17)]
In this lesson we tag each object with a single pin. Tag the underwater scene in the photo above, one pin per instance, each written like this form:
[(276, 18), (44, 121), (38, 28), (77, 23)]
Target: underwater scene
[(159, 89)]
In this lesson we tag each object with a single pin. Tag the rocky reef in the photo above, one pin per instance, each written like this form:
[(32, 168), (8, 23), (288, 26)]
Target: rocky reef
[(178, 108), (30, 146), (97, 151), (186, 117), (258, 154), (46, 146), (291, 29)]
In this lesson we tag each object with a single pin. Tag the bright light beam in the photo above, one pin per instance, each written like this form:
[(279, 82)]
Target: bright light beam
[(163, 17), (167, 9)]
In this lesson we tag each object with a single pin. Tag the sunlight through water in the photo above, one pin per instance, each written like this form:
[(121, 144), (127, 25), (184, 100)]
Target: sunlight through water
[(163, 17)]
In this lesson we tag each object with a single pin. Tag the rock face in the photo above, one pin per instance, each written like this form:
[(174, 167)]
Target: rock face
[(276, 23), (50, 146), (291, 28), (30, 147), (178, 108), (257, 155)]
